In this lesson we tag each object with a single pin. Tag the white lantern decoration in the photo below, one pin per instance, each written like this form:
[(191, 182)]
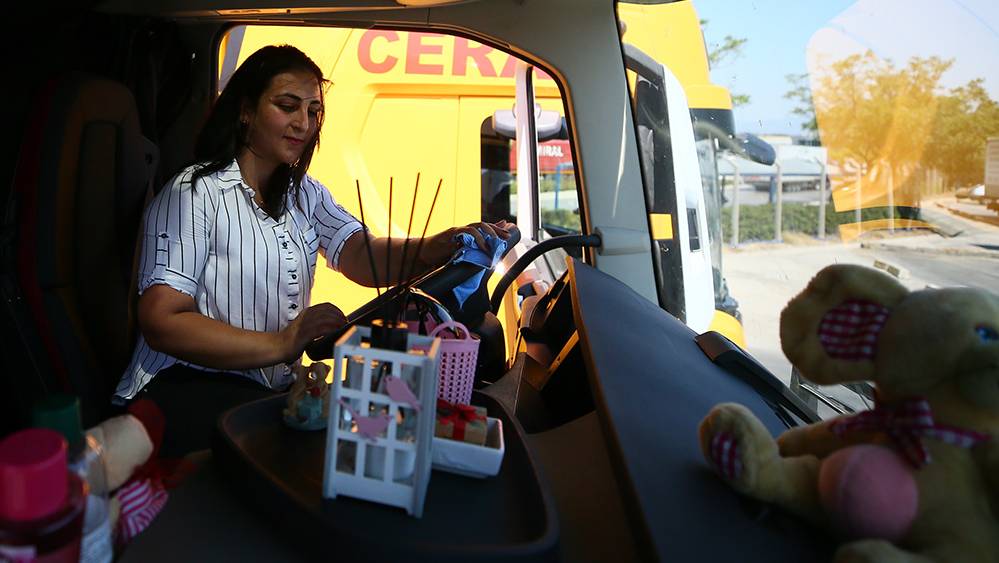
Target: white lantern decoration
[(381, 421)]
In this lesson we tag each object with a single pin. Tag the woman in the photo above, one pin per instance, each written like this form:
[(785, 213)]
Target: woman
[(230, 248)]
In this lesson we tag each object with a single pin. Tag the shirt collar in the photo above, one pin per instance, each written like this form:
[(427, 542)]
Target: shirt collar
[(231, 173), (231, 176)]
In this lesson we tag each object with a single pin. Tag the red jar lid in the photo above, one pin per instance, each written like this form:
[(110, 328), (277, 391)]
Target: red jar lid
[(32, 474)]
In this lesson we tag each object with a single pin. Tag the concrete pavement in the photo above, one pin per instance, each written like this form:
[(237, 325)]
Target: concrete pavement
[(764, 277)]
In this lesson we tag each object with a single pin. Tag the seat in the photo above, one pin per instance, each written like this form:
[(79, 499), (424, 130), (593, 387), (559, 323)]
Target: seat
[(83, 176)]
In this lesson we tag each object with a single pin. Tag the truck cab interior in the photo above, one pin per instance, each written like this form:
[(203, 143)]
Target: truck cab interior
[(601, 396)]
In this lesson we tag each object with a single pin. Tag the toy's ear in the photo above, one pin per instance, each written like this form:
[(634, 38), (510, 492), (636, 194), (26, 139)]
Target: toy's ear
[(830, 330)]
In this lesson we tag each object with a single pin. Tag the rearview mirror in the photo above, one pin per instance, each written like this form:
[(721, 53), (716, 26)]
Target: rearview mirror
[(756, 149), (745, 145)]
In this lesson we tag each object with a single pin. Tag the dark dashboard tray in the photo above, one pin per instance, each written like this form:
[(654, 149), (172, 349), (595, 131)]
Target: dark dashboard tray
[(510, 516)]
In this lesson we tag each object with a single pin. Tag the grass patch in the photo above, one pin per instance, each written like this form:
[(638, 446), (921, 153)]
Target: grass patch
[(564, 218)]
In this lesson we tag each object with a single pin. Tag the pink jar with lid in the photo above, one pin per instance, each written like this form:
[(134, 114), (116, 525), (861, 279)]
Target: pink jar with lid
[(41, 502)]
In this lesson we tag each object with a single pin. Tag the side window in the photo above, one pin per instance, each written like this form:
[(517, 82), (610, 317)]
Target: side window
[(558, 200), (652, 122), (403, 103), (675, 194), (499, 181)]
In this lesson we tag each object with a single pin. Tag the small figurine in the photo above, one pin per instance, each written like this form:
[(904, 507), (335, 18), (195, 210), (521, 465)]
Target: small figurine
[(308, 398), (311, 406)]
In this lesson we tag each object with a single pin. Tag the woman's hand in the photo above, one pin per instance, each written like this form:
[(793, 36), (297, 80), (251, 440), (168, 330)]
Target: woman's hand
[(441, 246), (314, 322)]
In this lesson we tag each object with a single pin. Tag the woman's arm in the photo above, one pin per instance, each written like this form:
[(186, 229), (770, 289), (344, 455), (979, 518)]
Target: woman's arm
[(436, 249), (345, 243), (171, 324)]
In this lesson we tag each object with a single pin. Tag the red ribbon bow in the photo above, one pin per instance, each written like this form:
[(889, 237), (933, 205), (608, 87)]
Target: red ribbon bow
[(459, 415), (907, 423)]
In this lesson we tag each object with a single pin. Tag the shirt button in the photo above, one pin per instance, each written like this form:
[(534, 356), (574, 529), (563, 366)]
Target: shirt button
[(294, 306), (294, 276), (284, 245)]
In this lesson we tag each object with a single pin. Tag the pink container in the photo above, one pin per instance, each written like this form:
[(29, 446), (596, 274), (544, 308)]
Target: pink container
[(458, 357), (41, 503)]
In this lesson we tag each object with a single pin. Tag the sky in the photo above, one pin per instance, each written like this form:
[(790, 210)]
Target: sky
[(794, 37)]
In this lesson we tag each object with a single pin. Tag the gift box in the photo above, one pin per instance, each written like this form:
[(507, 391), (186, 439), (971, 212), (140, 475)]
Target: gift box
[(463, 423)]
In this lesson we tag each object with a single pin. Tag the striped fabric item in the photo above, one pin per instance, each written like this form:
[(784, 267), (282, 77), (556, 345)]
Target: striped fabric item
[(726, 454), (850, 331), (141, 500), (907, 423)]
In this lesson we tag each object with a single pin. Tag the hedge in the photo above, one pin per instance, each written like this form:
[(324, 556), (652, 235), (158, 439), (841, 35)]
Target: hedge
[(756, 222)]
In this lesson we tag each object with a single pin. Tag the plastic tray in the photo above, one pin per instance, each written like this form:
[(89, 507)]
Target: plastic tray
[(469, 459), (507, 517)]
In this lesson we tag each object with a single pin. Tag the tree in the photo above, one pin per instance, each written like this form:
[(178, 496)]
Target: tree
[(871, 112), (728, 50), (965, 118), (891, 123), (801, 93)]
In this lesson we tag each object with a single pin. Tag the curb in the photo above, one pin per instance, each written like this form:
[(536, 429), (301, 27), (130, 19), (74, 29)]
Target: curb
[(948, 251), (987, 219)]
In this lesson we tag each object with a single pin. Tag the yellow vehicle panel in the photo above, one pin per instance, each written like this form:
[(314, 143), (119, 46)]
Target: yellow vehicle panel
[(671, 34), (729, 326)]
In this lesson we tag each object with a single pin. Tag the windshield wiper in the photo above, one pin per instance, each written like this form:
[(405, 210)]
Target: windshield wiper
[(736, 361)]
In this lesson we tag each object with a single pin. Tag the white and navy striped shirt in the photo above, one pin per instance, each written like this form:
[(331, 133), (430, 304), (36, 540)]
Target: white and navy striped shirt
[(242, 267)]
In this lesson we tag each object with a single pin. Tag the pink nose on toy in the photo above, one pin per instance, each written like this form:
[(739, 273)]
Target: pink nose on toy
[(869, 492)]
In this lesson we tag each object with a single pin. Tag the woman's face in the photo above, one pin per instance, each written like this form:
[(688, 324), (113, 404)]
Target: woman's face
[(286, 118)]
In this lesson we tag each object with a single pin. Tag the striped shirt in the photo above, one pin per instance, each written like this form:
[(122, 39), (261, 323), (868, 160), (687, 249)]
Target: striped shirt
[(242, 267)]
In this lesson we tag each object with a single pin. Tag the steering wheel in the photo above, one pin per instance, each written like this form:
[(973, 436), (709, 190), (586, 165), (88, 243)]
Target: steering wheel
[(437, 284)]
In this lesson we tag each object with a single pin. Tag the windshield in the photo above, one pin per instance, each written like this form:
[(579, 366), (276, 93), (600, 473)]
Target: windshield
[(886, 148)]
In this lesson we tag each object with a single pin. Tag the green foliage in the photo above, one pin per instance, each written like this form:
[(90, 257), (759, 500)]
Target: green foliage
[(965, 118), (756, 222), (567, 185), (728, 50), (801, 93), (562, 218), (739, 100), (874, 114)]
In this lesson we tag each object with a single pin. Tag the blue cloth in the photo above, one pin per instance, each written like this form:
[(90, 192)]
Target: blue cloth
[(470, 252)]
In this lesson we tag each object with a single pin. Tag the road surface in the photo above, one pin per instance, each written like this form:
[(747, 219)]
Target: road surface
[(764, 277)]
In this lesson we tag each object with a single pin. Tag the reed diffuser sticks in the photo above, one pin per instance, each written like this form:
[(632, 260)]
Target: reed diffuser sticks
[(367, 240), (403, 277)]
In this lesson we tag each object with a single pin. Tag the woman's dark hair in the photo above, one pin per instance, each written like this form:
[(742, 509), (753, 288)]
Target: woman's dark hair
[(223, 135)]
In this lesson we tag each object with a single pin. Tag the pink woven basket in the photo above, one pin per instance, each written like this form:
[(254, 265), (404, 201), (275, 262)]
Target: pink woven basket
[(458, 357)]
